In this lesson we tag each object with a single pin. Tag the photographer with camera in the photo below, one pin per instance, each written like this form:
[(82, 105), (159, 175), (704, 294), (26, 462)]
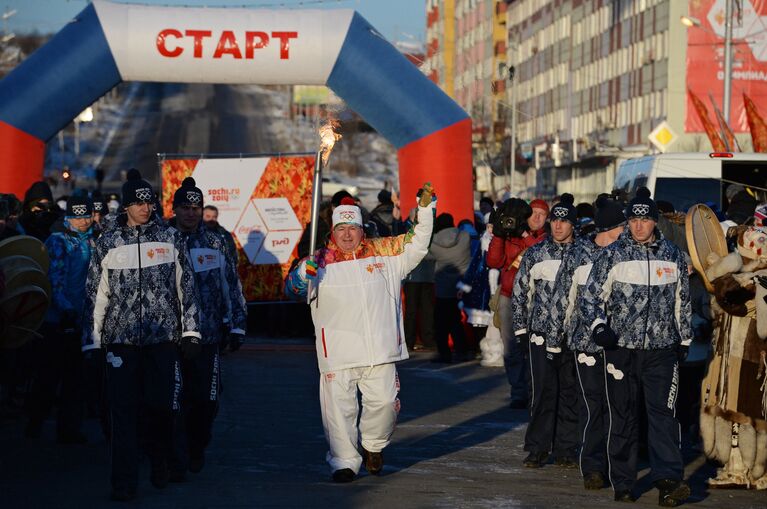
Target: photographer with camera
[(516, 227)]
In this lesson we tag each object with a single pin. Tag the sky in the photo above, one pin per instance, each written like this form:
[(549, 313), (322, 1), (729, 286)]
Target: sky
[(397, 20)]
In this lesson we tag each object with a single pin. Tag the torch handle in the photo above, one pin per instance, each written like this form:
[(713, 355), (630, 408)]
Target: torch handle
[(315, 215)]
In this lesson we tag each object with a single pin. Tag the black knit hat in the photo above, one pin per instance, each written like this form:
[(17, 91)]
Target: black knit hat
[(564, 210), (79, 206), (187, 194), (99, 204), (609, 214), (136, 190), (38, 191), (642, 206)]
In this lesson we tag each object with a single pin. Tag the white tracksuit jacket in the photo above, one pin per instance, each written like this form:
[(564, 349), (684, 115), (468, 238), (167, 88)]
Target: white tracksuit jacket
[(357, 312)]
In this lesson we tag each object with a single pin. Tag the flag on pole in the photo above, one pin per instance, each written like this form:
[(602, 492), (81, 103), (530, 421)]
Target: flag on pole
[(716, 141), (727, 135), (756, 125)]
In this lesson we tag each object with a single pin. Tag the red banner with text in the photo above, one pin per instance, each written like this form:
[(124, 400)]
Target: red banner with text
[(705, 58), (265, 202)]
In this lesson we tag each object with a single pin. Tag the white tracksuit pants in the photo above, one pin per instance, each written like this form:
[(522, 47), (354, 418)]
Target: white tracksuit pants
[(379, 386)]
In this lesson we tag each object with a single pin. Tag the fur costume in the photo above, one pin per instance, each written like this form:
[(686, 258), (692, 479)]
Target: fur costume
[(733, 418)]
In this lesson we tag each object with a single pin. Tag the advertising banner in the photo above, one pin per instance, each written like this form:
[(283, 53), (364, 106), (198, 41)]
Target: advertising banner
[(705, 58), (233, 45), (264, 201)]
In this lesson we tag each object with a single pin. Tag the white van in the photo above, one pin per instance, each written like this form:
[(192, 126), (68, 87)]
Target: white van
[(685, 179)]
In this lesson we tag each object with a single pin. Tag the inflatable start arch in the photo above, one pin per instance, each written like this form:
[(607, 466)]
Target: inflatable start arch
[(109, 42)]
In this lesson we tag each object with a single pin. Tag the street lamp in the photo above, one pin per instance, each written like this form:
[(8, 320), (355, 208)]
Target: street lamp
[(690, 22), (85, 116)]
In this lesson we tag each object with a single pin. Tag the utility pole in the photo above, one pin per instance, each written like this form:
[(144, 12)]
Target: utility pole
[(513, 134), (6, 16)]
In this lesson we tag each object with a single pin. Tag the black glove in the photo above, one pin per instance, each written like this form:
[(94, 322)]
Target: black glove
[(190, 347), (682, 352), (604, 336), (235, 341), (523, 340)]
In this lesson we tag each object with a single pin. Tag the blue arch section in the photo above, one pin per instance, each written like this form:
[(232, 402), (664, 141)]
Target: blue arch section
[(380, 84), (60, 79)]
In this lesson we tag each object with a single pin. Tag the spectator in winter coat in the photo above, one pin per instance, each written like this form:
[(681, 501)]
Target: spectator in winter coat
[(637, 305), (418, 288), (383, 214), (357, 312), (505, 253), (39, 212), (59, 358), (451, 250), (141, 307)]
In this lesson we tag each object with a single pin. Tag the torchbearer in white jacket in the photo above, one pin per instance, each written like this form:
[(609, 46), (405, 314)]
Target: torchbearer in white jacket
[(357, 314)]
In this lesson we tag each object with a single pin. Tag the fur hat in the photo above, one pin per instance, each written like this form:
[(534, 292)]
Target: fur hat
[(642, 206), (188, 194), (347, 213), (564, 210)]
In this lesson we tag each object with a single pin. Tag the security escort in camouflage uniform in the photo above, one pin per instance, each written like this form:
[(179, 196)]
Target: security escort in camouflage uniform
[(589, 362), (224, 317), (554, 397), (637, 305), (141, 304)]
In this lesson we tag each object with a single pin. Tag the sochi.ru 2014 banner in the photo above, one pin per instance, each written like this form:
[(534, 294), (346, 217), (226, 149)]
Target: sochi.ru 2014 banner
[(705, 58), (264, 201)]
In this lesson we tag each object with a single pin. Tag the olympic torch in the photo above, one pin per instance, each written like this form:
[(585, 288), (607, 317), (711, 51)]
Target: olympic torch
[(328, 138)]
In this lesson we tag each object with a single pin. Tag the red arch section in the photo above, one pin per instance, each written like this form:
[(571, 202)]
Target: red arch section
[(21, 159), (427, 160)]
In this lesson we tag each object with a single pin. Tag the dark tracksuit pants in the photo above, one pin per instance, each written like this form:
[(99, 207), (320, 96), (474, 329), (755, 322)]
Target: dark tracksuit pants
[(554, 405), (59, 372), (656, 373), (593, 415), (199, 407), (515, 360), (144, 379), (419, 303), (447, 321)]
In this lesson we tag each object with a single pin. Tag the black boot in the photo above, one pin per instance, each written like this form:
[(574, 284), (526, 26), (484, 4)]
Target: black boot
[(373, 461), (672, 493), (159, 476), (624, 496), (593, 481), (343, 475), (122, 494), (536, 459)]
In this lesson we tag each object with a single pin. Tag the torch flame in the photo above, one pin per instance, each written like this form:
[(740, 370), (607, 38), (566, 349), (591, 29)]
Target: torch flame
[(328, 137)]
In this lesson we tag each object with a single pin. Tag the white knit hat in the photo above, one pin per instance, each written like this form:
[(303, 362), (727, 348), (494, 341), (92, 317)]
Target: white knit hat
[(347, 214)]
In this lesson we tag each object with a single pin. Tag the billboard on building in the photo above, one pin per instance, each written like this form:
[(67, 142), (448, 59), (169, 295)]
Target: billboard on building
[(264, 201), (705, 58)]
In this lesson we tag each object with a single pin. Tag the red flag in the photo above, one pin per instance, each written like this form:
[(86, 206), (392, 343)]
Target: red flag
[(716, 141), (756, 125), (727, 134)]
